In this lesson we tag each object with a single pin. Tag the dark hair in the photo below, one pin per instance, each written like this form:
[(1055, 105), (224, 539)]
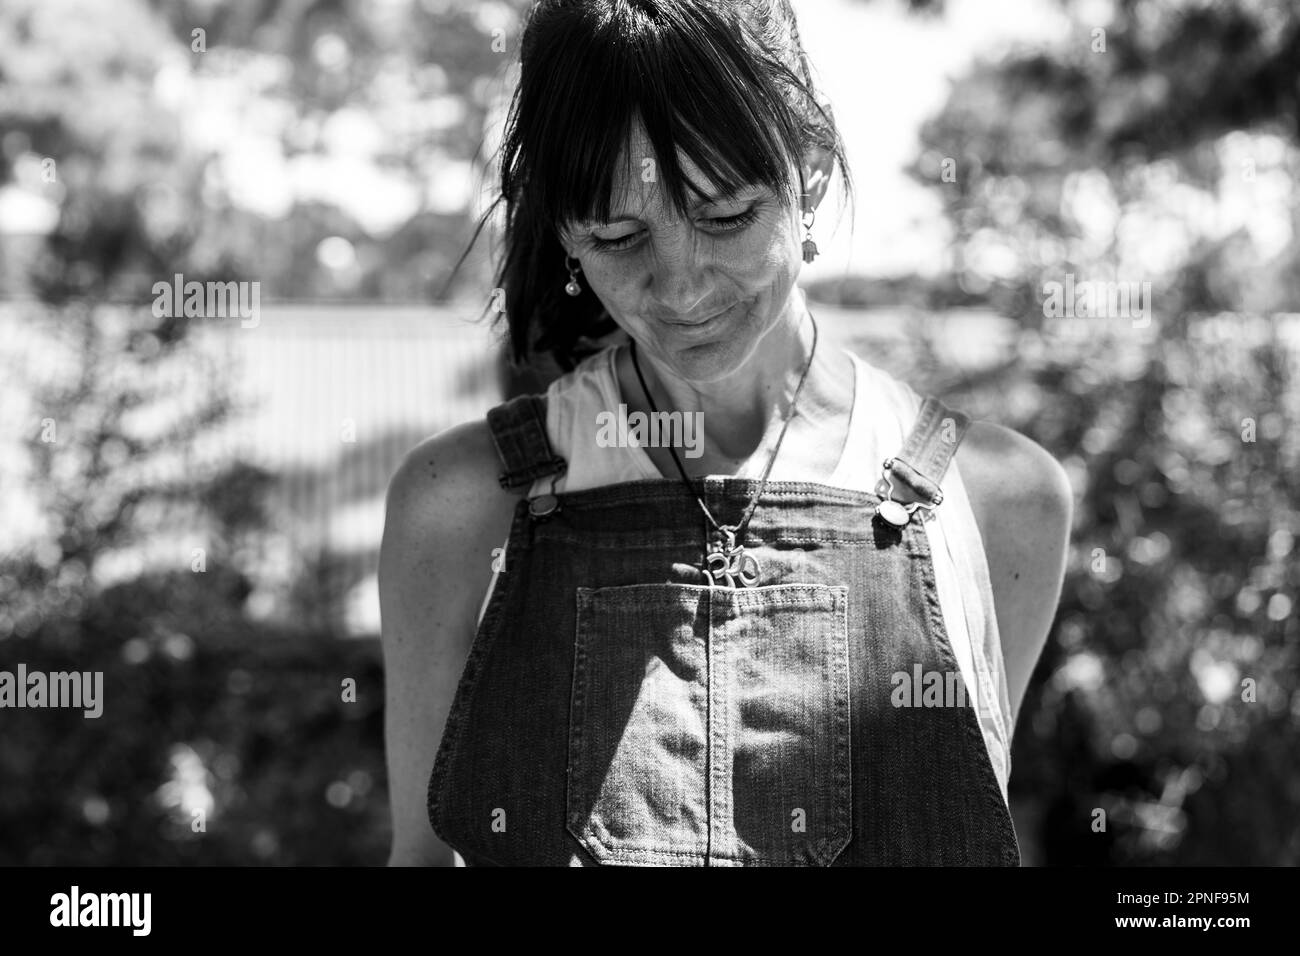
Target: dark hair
[(726, 81)]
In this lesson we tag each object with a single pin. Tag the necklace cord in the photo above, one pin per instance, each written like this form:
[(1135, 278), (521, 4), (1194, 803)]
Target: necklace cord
[(738, 529)]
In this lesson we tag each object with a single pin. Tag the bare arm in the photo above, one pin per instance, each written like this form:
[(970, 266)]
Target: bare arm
[(445, 514), (1024, 508)]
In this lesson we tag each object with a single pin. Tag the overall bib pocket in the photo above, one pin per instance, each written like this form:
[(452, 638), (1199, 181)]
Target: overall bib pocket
[(710, 726)]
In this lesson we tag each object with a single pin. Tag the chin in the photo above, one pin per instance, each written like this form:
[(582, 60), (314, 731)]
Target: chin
[(711, 361)]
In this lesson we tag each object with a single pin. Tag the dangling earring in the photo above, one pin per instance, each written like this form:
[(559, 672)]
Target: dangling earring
[(572, 286), (809, 247)]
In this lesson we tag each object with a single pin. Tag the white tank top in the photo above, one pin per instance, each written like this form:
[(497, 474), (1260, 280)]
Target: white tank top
[(884, 410)]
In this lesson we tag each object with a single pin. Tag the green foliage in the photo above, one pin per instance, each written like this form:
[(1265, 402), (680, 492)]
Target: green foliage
[(1097, 162), (1168, 693), (200, 705)]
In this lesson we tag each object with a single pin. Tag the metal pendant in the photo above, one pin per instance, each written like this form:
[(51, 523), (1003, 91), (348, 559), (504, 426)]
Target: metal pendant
[(731, 563)]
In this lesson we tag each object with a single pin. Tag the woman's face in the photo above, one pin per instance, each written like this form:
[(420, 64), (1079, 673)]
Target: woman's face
[(699, 293)]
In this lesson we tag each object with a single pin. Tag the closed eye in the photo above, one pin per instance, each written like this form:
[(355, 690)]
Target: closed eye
[(721, 224)]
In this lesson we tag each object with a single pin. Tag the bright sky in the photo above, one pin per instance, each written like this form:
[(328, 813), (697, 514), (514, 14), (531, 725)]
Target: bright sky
[(885, 72)]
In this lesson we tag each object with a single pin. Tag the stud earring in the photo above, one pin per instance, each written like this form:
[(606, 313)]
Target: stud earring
[(572, 286), (809, 247)]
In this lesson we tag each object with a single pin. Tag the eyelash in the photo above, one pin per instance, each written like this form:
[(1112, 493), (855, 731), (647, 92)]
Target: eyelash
[(729, 224)]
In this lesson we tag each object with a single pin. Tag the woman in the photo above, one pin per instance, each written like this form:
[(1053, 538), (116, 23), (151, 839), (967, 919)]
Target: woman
[(801, 640)]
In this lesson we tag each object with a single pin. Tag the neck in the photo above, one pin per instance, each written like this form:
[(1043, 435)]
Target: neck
[(743, 412)]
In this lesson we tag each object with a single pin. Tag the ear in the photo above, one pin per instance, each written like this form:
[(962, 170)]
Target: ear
[(564, 240), (818, 163)]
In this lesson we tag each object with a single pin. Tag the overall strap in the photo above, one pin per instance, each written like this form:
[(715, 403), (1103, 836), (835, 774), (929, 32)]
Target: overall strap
[(929, 448), (519, 432)]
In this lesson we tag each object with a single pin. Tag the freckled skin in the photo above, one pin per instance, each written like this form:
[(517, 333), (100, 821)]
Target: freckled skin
[(685, 268), (672, 272)]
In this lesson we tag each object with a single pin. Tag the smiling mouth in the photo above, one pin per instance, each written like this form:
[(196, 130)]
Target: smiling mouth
[(701, 322)]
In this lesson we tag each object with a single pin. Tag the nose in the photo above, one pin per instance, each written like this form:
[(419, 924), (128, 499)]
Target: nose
[(678, 282)]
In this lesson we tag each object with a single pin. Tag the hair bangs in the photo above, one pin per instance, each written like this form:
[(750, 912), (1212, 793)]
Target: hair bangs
[(724, 84), (686, 78)]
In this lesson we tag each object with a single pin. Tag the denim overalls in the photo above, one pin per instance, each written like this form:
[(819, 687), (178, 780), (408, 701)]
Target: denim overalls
[(617, 708)]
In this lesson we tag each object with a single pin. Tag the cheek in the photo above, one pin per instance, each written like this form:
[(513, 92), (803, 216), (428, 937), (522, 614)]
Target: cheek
[(764, 260), (769, 263), (617, 283), (773, 255)]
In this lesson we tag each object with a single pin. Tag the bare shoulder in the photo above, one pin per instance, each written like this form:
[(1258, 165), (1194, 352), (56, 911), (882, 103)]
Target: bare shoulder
[(445, 514), (446, 484), (1024, 507), (1006, 466)]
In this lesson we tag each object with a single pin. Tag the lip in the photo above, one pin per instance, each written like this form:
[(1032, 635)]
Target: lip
[(712, 315), (701, 326)]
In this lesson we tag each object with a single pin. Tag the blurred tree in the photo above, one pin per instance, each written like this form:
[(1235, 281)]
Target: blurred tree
[(366, 124), (205, 139), (335, 151), (1156, 144), (111, 430)]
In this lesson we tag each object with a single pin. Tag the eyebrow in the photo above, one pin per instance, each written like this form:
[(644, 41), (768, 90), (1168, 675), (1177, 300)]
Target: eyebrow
[(728, 196)]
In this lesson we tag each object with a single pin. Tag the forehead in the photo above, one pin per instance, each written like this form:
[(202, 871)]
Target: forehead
[(636, 189)]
